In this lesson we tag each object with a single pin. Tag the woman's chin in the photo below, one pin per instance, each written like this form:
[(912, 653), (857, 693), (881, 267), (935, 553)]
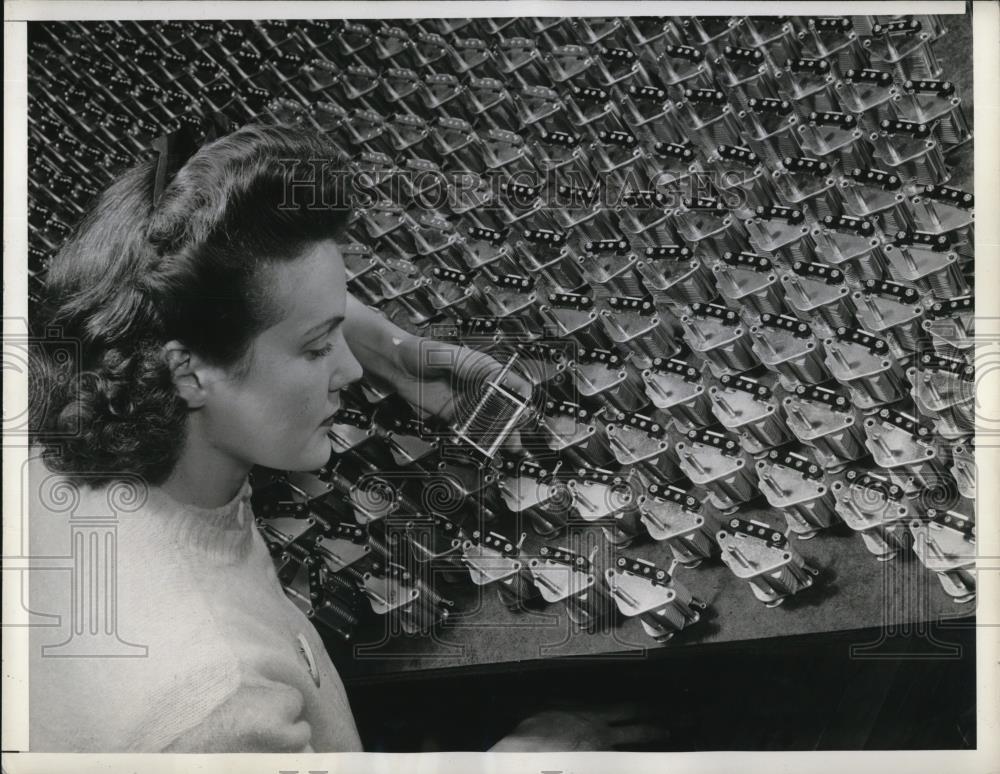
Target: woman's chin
[(320, 454), (315, 456)]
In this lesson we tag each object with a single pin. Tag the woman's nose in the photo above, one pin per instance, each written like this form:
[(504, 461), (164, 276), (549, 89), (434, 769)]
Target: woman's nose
[(347, 371)]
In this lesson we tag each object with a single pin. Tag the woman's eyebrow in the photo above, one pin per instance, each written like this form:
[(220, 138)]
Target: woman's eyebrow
[(324, 327)]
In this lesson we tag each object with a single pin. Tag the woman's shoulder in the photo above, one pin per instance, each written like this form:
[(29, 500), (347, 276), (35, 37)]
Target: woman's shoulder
[(153, 621), (113, 493), (55, 495), (60, 510)]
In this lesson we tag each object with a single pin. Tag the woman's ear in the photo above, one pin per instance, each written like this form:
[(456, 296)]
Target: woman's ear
[(187, 373)]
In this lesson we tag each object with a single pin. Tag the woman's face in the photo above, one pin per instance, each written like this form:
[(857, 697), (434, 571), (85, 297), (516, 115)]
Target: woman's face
[(277, 413)]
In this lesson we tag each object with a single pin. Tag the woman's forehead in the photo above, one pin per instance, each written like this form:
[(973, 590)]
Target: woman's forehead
[(311, 287)]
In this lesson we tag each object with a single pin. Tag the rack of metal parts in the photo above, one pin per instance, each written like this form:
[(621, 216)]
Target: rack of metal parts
[(723, 249)]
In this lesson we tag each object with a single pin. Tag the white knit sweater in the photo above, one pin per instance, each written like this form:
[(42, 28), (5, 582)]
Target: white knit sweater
[(206, 654)]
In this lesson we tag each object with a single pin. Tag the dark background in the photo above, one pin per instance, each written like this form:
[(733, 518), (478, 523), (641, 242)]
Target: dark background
[(804, 693)]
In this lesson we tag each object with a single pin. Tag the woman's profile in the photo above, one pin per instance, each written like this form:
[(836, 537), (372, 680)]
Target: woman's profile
[(212, 332)]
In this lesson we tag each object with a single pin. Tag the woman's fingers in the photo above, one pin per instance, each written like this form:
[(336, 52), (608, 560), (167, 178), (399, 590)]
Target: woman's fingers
[(628, 725), (474, 369), (613, 713), (514, 443), (518, 384), (472, 372), (634, 735), (593, 728)]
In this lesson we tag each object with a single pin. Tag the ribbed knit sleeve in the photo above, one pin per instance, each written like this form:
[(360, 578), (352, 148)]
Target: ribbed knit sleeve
[(263, 716)]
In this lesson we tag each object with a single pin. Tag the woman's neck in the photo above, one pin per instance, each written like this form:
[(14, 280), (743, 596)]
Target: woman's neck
[(205, 476)]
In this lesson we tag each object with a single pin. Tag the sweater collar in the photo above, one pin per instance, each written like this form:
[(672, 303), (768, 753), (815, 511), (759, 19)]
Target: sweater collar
[(223, 533)]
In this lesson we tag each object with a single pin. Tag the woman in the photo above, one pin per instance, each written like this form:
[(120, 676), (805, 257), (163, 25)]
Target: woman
[(214, 332)]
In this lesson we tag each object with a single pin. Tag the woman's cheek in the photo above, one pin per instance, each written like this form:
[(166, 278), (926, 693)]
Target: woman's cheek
[(293, 403), (306, 392), (299, 405)]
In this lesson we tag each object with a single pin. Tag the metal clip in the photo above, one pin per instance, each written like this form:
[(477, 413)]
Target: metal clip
[(794, 485), (712, 460), (946, 544), (761, 555), (870, 505), (746, 407), (823, 419), (663, 605)]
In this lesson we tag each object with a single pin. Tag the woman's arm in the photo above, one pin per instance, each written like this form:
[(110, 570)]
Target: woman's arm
[(426, 373), (256, 718), (608, 727), (375, 341)]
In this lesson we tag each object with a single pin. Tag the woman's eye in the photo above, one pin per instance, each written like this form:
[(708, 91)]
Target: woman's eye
[(316, 354)]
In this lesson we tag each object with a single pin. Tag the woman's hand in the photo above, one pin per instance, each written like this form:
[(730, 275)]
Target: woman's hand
[(614, 727), (436, 376), (433, 376)]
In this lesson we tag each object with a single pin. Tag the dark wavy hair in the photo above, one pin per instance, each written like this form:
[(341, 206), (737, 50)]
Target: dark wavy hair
[(134, 275)]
